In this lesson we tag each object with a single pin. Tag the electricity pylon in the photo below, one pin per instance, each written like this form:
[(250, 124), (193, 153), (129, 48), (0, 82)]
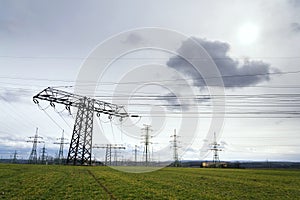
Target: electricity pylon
[(135, 155), (44, 157), (80, 150), (215, 148), (15, 157), (35, 139), (108, 150), (147, 142), (175, 147), (61, 147)]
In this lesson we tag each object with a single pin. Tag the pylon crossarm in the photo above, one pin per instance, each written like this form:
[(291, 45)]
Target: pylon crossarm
[(58, 96), (68, 99)]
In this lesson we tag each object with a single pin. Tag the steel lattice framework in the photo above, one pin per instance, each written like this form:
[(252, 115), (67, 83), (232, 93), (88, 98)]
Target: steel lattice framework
[(80, 151), (175, 147), (108, 148), (147, 142), (215, 148), (34, 140), (61, 147)]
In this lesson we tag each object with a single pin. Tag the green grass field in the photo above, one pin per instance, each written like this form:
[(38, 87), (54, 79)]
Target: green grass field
[(69, 182)]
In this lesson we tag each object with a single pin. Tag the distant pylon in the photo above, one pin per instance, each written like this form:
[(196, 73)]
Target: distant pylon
[(215, 148), (15, 157), (108, 148), (175, 147), (35, 140), (108, 155), (116, 157), (147, 143), (43, 161), (135, 155), (61, 147)]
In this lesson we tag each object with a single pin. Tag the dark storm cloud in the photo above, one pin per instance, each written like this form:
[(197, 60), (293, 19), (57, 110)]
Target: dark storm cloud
[(173, 102), (294, 3), (295, 27), (235, 73), (133, 39)]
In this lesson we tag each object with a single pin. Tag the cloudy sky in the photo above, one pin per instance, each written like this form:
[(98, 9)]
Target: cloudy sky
[(254, 45)]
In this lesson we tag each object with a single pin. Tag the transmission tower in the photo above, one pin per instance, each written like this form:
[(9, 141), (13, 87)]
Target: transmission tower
[(215, 148), (80, 150), (109, 147), (44, 157), (61, 147), (146, 141), (135, 155), (175, 147), (115, 157), (15, 157), (108, 155), (34, 140)]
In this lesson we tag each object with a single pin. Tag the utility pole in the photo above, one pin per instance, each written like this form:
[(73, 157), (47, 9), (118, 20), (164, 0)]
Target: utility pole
[(175, 147), (108, 148), (61, 147), (34, 140), (147, 142), (80, 150), (44, 155), (215, 148)]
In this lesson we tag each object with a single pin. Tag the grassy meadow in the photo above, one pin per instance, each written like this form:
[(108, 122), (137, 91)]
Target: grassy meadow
[(91, 182)]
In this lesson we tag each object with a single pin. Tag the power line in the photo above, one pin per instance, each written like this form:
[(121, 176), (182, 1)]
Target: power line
[(135, 82), (227, 117), (146, 58), (61, 116), (44, 110)]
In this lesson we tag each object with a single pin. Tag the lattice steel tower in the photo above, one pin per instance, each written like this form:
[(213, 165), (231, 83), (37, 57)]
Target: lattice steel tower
[(109, 147), (147, 143), (61, 147), (80, 150), (175, 147), (44, 156), (35, 140), (15, 157), (215, 148), (135, 155)]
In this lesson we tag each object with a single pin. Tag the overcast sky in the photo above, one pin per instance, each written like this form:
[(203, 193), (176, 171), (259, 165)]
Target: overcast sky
[(255, 46)]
